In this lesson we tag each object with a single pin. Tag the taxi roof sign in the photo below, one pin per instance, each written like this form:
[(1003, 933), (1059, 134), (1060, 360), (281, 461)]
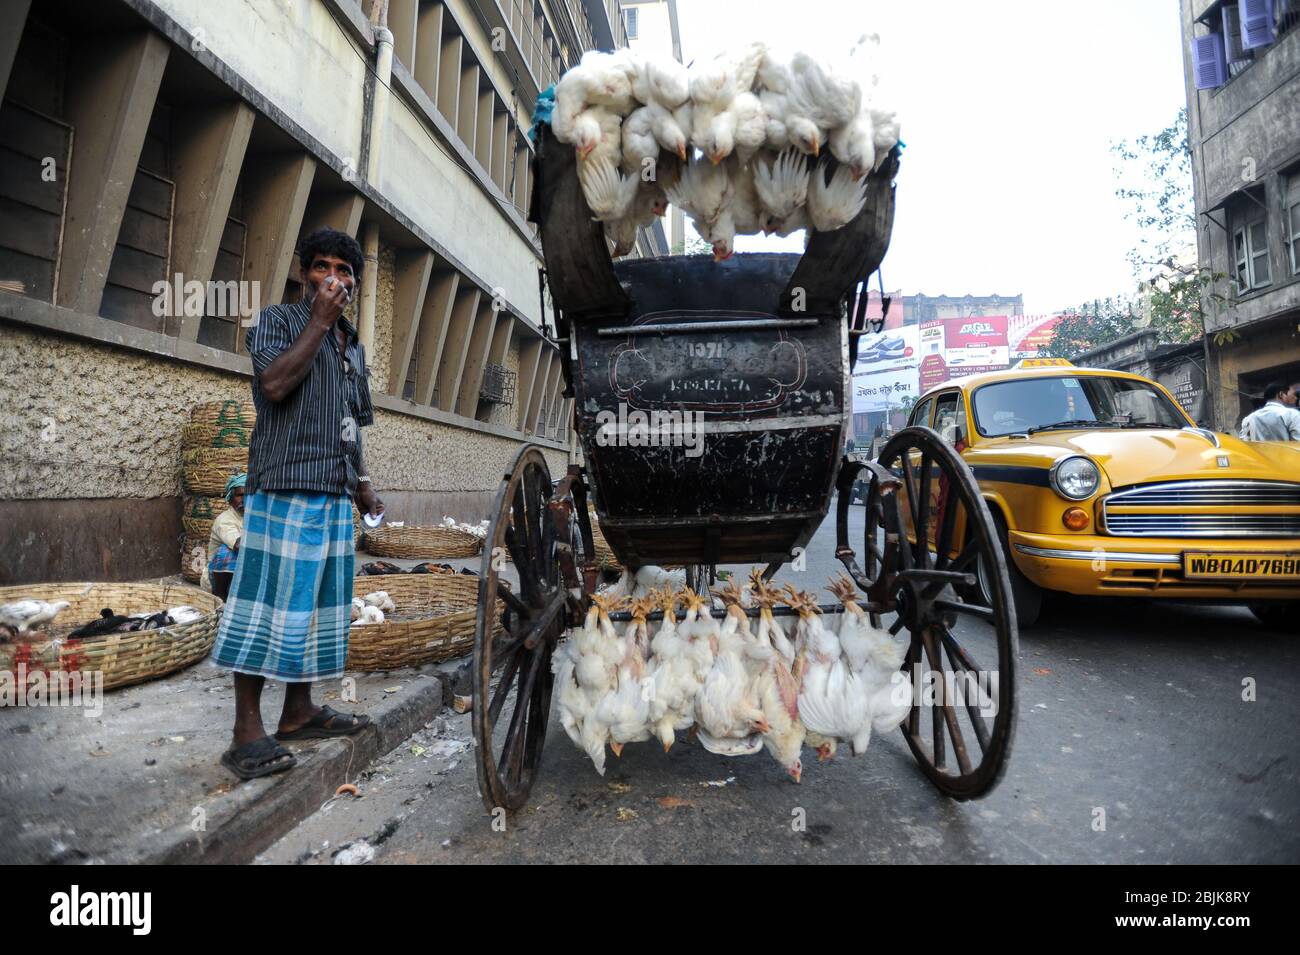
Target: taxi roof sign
[(1043, 363)]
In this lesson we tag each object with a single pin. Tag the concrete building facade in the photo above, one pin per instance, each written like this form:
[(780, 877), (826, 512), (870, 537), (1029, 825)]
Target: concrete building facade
[(1244, 133), (169, 144)]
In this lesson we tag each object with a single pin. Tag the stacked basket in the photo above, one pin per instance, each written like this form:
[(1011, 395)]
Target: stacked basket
[(214, 445)]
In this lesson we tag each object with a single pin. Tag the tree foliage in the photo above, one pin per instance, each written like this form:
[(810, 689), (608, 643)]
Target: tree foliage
[(1174, 293)]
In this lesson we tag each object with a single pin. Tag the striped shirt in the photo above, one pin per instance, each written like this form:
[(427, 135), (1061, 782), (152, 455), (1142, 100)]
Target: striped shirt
[(310, 441)]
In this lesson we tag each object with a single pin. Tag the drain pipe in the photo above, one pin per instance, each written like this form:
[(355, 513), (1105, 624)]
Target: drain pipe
[(378, 121)]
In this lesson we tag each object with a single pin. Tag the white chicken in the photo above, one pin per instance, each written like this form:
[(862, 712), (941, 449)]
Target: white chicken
[(661, 81), (369, 615), (640, 144), (815, 91), (769, 630), (741, 213), (833, 701), (702, 191), (598, 135), (609, 195), (781, 182), (875, 657), (834, 204), (776, 690), (600, 80), (381, 600), (784, 124), (626, 708), (728, 717), (674, 680), (854, 145), (648, 204), (184, 613), (595, 653), (26, 615), (715, 83), (740, 128)]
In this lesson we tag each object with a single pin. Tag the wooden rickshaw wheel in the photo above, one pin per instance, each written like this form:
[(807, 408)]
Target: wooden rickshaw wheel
[(510, 715), (959, 747)]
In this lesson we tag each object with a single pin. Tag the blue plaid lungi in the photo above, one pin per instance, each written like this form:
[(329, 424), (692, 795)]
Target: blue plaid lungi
[(223, 560), (289, 610)]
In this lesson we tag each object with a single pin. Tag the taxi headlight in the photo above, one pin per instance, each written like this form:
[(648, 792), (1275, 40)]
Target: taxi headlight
[(1075, 478)]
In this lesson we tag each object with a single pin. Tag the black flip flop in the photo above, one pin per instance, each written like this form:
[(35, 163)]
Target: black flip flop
[(261, 757), (326, 724)]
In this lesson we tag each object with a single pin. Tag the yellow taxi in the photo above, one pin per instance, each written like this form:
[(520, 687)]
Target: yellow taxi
[(1100, 484)]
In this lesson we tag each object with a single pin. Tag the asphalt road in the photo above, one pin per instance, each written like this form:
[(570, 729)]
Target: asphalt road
[(1134, 745)]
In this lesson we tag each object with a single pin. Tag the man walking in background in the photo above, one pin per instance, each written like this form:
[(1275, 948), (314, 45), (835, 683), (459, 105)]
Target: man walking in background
[(288, 615), (1278, 420)]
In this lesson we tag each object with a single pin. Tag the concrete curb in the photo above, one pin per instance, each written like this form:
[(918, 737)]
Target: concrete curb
[(252, 815)]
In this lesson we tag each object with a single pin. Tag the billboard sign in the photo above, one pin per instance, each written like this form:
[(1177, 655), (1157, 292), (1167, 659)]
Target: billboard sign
[(886, 372)]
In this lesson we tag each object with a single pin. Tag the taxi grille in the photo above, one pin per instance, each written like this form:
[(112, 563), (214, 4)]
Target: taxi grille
[(1249, 509)]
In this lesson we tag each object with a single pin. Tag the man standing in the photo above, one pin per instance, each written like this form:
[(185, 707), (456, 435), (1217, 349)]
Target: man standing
[(1278, 420), (289, 610)]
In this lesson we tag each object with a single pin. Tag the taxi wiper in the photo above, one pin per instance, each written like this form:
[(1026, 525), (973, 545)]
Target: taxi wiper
[(1077, 423)]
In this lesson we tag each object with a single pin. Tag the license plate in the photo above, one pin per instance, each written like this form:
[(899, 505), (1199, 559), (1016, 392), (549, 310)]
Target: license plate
[(1210, 566)]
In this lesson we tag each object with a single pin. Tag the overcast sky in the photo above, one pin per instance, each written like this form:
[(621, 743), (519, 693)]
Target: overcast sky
[(1008, 110)]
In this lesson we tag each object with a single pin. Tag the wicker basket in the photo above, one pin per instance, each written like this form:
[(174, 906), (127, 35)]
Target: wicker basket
[(205, 470), (421, 543), (215, 436), (434, 620), (234, 413), (604, 555), (194, 555), (198, 513), (123, 658)]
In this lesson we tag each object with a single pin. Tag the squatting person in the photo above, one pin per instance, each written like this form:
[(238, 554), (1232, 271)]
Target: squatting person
[(223, 540), (288, 613)]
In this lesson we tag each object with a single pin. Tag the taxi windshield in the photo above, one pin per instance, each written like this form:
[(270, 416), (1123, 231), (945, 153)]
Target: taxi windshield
[(1027, 405)]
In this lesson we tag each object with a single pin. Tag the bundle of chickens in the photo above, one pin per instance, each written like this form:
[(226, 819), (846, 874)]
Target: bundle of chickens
[(748, 142), (738, 687), (22, 616)]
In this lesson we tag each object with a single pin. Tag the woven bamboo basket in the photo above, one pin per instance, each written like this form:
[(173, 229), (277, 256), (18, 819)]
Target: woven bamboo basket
[(194, 555), (215, 436), (123, 658), (205, 470), (604, 555), (233, 413), (421, 543), (434, 621), (198, 512)]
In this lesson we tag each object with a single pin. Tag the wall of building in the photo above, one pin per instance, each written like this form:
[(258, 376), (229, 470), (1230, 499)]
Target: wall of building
[(91, 433), (1245, 141)]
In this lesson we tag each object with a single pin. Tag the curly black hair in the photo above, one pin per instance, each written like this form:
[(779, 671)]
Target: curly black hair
[(331, 242)]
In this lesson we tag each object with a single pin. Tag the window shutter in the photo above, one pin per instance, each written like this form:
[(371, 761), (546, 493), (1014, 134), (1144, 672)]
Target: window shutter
[(1256, 23), (1233, 49), (1211, 66)]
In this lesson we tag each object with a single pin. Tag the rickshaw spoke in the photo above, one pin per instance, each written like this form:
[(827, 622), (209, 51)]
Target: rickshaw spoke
[(975, 610), (972, 709), (923, 513), (963, 560), (503, 689), (949, 517), (939, 749)]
